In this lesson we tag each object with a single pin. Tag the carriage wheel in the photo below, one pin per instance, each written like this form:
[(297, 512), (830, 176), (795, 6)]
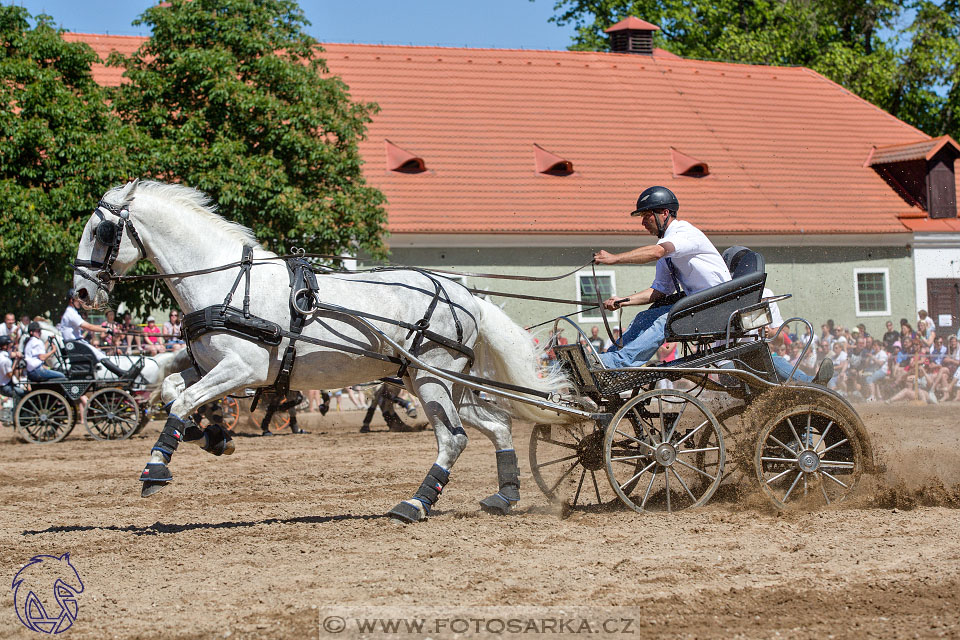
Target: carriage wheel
[(43, 416), (809, 454), (664, 451), (231, 412), (566, 462), (112, 414)]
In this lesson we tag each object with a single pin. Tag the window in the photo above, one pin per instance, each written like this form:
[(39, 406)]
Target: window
[(587, 293), (873, 291)]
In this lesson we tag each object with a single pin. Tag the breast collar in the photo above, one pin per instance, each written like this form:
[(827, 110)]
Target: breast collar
[(110, 233)]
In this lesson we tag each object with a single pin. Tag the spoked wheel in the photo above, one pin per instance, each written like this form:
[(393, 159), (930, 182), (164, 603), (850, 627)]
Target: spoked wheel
[(567, 464), (809, 454), (663, 451), (231, 412), (112, 414), (43, 417)]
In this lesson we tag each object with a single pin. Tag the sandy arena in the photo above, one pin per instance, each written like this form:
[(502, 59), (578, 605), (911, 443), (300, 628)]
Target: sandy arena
[(269, 542)]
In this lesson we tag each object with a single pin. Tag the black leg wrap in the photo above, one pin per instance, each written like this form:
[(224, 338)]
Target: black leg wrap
[(508, 475), (218, 440), (170, 437), (432, 486), (426, 495)]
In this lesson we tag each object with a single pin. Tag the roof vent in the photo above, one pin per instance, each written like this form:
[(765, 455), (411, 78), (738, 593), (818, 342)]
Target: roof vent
[(402, 161), (551, 164), (684, 165), (921, 172), (632, 35)]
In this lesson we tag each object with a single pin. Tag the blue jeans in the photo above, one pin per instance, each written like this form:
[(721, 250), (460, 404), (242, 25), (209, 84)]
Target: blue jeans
[(640, 340), (783, 367), (41, 374), (11, 391)]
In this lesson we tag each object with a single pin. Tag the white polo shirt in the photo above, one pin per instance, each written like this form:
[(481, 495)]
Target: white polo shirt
[(70, 324), (696, 262), (6, 368), (32, 353)]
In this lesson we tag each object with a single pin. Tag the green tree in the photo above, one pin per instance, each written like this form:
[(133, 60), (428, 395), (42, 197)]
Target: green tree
[(59, 146), (236, 102), (902, 55)]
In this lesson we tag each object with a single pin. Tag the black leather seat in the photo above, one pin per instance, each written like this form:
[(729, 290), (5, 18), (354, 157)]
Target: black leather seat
[(80, 359), (704, 315)]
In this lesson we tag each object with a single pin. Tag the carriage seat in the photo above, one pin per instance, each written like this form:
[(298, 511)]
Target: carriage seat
[(80, 359), (704, 315)]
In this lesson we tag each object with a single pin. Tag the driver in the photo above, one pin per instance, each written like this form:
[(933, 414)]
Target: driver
[(687, 262), (72, 325)]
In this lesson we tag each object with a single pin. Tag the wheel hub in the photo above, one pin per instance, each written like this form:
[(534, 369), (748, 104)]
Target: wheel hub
[(590, 450), (43, 418), (808, 461), (111, 415), (666, 454)]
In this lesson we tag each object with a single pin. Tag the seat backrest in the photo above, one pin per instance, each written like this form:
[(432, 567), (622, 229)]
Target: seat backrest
[(80, 358), (742, 261), (704, 315)]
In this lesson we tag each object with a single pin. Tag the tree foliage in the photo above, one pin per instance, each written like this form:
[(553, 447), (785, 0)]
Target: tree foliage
[(236, 102), (59, 146), (902, 55)]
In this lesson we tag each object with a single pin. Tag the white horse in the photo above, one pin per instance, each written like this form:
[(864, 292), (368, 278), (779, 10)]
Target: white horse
[(177, 230)]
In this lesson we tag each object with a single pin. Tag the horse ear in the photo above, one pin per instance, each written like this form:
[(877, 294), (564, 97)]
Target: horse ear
[(127, 194)]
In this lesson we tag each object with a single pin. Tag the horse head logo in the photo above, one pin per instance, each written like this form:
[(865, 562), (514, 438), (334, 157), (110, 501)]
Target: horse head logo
[(39, 609)]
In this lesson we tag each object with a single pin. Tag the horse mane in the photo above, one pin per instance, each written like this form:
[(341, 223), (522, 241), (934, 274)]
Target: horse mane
[(194, 200)]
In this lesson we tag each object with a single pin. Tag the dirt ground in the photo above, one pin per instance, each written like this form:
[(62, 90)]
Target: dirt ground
[(288, 535)]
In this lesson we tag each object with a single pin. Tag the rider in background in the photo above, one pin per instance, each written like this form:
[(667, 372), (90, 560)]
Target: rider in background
[(34, 355), (8, 358), (72, 325), (685, 259)]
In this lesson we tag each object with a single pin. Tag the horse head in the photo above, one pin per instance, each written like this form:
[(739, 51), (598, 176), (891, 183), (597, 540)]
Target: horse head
[(31, 593), (102, 252)]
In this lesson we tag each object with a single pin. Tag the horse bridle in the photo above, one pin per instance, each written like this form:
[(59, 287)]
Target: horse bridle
[(111, 234)]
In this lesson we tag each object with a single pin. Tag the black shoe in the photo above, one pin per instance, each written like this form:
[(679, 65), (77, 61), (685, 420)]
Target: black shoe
[(365, 429), (296, 429), (267, 433), (824, 373)]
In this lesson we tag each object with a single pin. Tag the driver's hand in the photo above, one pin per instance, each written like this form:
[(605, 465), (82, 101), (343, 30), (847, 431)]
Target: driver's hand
[(604, 257), (612, 304)]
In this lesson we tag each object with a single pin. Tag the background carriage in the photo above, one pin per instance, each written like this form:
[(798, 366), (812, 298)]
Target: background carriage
[(118, 395)]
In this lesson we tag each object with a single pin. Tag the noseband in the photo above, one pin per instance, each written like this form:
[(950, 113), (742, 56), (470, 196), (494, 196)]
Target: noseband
[(111, 234)]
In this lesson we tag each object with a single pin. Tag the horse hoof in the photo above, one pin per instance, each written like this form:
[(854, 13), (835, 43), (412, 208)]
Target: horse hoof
[(155, 476), (496, 505), (407, 513), (229, 447), (149, 488)]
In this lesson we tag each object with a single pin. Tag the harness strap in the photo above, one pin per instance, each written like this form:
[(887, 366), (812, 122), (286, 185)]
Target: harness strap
[(246, 263)]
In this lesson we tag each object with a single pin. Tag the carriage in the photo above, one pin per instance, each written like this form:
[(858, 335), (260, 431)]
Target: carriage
[(117, 398), (664, 449)]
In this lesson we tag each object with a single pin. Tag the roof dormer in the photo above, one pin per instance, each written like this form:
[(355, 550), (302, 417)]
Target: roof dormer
[(403, 161), (549, 163), (921, 172)]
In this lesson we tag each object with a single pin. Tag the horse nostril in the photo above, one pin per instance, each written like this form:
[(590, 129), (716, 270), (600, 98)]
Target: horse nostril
[(82, 294)]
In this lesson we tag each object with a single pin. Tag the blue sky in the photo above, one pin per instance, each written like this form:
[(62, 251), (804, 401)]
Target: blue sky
[(513, 24)]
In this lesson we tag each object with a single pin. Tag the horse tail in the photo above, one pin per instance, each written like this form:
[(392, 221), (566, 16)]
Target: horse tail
[(506, 352)]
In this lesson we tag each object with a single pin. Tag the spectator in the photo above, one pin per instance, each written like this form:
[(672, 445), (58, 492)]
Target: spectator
[(113, 336), (10, 328), (171, 331), (152, 342), (34, 356), (938, 351), (922, 315), (8, 360), (595, 340), (608, 344), (925, 333), (880, 361), (906, 331), (891, 335), (131, 334)]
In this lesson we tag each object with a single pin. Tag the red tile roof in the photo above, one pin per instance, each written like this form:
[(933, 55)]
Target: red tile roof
[(632, 22), (785, 146), (918, 150)]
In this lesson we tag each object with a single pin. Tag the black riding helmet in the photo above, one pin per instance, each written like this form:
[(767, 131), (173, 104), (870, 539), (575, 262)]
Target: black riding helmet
[(655, 198), (33, 326), (5, 342)]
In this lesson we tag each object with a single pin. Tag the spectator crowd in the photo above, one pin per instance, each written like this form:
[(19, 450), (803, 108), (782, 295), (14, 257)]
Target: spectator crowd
[(909, 361)]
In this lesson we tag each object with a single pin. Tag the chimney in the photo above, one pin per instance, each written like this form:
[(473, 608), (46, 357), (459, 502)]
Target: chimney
[(632, 35)]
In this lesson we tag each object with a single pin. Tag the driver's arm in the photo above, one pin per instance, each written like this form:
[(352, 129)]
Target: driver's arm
[(93, 327), (643, 297), (640, 255)]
